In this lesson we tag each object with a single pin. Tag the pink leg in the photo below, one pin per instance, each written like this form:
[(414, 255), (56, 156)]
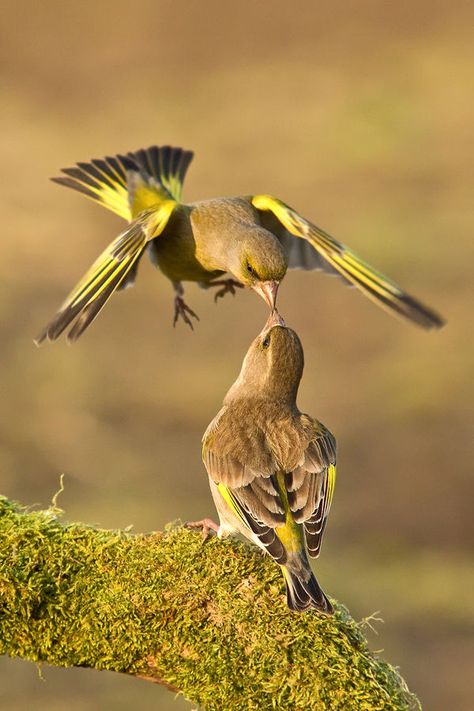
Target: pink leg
[(228, 287), (180, 307), (205, 524)]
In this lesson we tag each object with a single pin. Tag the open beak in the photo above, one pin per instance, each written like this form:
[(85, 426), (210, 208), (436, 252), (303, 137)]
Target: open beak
[(268, 290)]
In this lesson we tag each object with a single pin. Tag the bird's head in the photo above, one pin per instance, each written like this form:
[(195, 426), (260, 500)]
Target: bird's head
[(273, 365), (260, 263)]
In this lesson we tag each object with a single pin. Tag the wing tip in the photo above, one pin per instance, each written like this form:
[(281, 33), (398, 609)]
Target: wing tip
[(40, 339), (421, 315), (45, 337), (51, 332)]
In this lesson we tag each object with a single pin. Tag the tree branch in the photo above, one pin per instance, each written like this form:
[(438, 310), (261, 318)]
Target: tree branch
[(207, 619)]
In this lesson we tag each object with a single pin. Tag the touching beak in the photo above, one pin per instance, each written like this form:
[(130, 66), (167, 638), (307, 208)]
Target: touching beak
[(268, 290), (274, 320)]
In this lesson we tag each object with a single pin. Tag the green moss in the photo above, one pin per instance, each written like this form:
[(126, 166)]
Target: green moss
[(207, 618)]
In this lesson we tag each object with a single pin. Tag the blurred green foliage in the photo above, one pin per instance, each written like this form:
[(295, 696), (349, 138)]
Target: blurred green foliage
[(357, 114)]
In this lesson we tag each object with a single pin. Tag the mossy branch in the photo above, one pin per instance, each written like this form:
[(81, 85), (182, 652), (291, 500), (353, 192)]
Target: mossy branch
[(207, 619)]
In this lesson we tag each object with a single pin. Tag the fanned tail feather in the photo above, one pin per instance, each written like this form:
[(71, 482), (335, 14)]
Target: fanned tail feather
[(102, 180), (106, 180), (167, 165)]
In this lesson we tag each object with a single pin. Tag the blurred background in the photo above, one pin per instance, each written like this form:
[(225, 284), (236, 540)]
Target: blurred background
[(360, 115)]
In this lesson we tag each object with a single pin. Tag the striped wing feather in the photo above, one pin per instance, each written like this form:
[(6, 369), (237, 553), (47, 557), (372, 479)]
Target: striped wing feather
[(256, 497), (112, 268), (334, 257), (160, 170)]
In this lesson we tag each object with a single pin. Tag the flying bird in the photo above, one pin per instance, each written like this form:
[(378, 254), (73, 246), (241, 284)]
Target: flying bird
[(271, 468), (253, 239)]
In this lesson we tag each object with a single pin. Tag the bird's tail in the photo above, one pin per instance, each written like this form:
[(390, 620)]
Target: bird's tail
[(303, 591), (107, 180)]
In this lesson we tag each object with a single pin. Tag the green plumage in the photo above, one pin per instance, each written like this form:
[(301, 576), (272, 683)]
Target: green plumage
[(252, 238)]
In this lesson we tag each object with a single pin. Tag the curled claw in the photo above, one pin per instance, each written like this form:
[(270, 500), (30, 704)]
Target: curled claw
[(228, 287), (222, 292), (206, 525), (181, 309)]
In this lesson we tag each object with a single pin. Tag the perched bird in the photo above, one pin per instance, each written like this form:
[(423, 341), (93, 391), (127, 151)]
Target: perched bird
[(253, 238), (271, 468)]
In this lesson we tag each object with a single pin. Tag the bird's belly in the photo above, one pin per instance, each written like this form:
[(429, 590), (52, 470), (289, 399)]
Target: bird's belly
[(177, 261)]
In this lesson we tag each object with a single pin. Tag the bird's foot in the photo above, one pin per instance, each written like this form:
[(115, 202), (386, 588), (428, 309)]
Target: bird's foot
[(182, 309), (228, 287), (205, 524)]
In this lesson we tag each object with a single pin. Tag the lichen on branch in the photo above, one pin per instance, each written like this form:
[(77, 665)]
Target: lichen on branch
[(208, 619)]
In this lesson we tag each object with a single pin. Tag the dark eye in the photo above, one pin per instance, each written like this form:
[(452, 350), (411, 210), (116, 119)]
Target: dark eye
[(250, 269), (266, 342)]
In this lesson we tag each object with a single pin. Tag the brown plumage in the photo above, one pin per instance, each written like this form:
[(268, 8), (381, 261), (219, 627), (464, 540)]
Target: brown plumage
[(272, 468)]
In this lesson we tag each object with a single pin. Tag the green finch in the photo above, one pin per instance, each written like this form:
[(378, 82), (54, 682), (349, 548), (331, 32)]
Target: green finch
[(271, 468), (253, 239)]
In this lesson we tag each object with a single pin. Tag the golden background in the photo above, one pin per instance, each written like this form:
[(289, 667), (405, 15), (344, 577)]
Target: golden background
[(360, 115)]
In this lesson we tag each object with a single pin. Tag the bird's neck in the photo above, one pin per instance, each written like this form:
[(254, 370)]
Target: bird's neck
[(219, 227), (240, 395)]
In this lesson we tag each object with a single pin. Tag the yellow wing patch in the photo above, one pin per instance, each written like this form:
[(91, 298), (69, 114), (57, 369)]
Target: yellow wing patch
[(372, 283), (107, 273), (291, 533), (128, 184), (144, 195), (232, 503), (104, 181), (331, 483)]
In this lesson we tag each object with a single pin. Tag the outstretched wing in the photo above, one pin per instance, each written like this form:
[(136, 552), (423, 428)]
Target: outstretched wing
[(128, 184), (109, 271), (334, 257)]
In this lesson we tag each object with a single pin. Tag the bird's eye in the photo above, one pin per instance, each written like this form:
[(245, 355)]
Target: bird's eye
[(250, 269), (266, 342)]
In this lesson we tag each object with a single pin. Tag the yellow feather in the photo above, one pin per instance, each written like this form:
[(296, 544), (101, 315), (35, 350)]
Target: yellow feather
[(228, 498), (291, 533)]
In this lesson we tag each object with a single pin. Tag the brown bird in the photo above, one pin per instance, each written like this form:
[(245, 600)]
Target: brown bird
[(271, 468), (253, 238)]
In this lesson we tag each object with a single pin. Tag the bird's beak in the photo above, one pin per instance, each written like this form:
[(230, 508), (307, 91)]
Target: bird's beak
[(268, 290), (274, 320)]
